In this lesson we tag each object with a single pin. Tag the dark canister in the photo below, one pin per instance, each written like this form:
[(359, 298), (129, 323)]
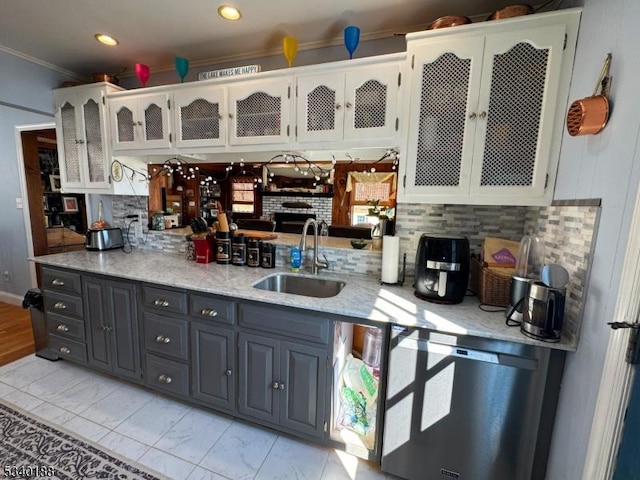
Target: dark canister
[(253, 252), (268, 255), (223, 247), (238, 250)]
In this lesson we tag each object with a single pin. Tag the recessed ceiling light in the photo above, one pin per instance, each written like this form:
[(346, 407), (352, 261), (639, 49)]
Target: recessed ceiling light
[(106, 39), (229, 12)]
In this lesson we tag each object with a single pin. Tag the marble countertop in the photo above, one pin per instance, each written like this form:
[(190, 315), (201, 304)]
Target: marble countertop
[(362, 297)]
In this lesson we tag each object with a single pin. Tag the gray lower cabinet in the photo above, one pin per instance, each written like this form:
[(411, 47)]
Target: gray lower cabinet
[(112, 326), (282, 383), (213, 371)]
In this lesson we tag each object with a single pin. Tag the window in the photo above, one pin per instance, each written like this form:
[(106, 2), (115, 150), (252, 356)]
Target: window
[(242, 195), (370, 191)]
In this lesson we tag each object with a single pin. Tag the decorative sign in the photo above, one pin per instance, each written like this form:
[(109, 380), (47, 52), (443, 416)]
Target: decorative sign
[(229, 72)]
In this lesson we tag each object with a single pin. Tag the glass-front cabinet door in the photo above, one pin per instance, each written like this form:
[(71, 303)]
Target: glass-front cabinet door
[(320, 107), (140, 122), (260, 112), (200, 117)]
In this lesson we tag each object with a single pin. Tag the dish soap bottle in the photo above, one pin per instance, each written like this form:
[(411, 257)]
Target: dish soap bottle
[(295, 259)]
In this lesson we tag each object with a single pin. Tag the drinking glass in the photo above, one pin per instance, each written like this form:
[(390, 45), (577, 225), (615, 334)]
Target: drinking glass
[(290, 48), (143, 72), (351, 39), (182, 67)]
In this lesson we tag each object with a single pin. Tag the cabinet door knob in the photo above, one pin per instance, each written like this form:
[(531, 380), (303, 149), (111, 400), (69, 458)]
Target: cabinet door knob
[(64, 350), (161, 303), (208, 312), (228, 373), (57, 282), (231, 115), (473, 115), (275, 385), (62, 328), (348, 105), (139, 124), (338, 106), (482, 115), (162, 339), (282, 386), (60, 306), (219, 117), (164, 378)]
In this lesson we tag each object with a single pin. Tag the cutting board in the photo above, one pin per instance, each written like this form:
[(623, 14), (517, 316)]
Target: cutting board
[(257, 234)]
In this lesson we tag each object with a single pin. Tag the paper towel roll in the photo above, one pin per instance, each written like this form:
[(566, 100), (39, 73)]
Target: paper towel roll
[(390, 259)]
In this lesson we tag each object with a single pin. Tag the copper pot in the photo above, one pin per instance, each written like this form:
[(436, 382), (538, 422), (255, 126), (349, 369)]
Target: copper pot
[(589, 115), (449, 21), (104, 77), (511, 11)]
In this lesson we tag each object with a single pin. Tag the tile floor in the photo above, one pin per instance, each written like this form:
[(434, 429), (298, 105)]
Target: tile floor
[(179, 440)]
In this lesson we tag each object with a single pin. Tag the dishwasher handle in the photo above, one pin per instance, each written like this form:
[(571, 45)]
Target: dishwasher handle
[(468, 353)]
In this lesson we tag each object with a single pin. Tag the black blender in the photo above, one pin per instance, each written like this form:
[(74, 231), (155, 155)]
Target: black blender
[(528, 267)]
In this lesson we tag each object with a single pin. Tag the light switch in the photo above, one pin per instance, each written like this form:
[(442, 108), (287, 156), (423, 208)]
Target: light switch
[(19, 203)]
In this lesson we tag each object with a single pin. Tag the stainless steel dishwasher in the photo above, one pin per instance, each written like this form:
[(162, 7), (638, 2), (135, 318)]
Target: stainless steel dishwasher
[(468, 408)]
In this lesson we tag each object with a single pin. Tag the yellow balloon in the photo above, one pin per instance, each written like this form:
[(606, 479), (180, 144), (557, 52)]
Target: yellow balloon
[(290, 48)]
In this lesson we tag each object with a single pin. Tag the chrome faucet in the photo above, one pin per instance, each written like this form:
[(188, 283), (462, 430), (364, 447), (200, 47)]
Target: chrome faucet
[(317, 263)]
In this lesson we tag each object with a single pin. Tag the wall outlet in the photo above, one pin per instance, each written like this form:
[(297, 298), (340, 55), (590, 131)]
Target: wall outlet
[(6, 276), (138, 226)]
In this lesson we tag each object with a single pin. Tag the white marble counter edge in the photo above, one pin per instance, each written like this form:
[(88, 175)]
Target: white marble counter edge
[(363, 297)]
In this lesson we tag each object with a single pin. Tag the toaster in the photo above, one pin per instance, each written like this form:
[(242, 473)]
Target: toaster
[(104, 239)]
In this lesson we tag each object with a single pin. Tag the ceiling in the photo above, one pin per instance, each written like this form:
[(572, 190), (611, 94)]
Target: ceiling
[(60, 33)]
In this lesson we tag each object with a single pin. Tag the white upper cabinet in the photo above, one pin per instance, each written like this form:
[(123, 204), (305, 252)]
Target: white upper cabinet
[(201, 115), (486, 111), (349, 105), (260, 112), (140, 122)]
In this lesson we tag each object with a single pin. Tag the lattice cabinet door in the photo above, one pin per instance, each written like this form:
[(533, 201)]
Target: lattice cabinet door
[(260, 112), (140, 122), (516, 111), (320, 107), (445, 79), (81, 130), (371, 102), (200, 117)]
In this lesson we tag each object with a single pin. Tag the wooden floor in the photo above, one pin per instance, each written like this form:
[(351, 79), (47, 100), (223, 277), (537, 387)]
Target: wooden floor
[(16, 337)]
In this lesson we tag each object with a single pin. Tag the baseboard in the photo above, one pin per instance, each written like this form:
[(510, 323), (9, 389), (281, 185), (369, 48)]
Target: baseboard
[(10, 298)]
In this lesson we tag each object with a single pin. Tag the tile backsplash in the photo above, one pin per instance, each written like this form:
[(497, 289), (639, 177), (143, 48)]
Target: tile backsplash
[(568, 231)]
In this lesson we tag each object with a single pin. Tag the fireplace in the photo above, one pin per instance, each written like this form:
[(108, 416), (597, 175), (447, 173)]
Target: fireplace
[(291, 222)]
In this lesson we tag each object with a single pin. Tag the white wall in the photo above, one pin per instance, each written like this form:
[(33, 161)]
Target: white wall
[(25, 99), (605, 166)]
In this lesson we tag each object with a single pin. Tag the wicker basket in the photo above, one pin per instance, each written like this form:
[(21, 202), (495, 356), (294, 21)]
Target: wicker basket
[(490, 287)]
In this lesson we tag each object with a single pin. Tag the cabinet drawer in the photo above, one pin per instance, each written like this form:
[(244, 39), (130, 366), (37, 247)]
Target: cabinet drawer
[(61, 280), (167, 375), (166, 336), (288, 322), (63, 304), (68, 348), (66, 327), (212, 308), (165, 300)]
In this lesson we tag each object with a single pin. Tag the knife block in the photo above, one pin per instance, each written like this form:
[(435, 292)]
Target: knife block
[(204, 249)]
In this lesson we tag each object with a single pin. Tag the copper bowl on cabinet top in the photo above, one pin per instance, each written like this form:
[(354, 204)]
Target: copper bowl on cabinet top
[(449, 21), (511, 11)]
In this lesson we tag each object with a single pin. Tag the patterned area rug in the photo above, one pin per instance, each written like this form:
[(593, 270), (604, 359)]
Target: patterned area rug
[(30, 448)]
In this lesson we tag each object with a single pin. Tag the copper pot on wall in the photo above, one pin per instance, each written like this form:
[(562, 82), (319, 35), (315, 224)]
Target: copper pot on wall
[(511, 11), (589, 115)]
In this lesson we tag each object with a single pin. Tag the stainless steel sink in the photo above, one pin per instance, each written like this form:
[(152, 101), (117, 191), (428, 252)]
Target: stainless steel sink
[(307, 286)]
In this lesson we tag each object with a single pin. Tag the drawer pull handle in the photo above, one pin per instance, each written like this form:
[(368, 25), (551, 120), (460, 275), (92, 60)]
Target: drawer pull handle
[(65, 350), (209, 312), (62, 328), (57, 282), (164, 378), (106, 328), (60, 306), (162, 339), (275, 385), (228, 373), (282, 386), (161, 303)]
